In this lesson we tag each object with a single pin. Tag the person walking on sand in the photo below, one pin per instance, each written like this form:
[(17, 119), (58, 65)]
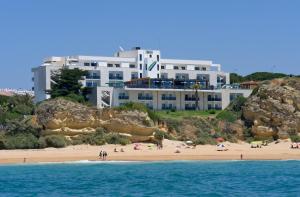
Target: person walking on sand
[(241, 156)]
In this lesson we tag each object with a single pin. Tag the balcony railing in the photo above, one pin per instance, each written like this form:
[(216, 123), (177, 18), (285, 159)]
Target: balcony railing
[(123, 97), (215, 108), (145, 98), (168, 98), (116, 77), (190, 108), (190, 99), (92, 77), (168, 107), (214, 99)]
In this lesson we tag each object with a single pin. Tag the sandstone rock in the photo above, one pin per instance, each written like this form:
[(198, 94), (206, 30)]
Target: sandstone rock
[(69, 118), (275, 108)]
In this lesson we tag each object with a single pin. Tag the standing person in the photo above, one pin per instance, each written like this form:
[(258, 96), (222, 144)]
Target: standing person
[(241, 156), (101, 154), (104, 155)]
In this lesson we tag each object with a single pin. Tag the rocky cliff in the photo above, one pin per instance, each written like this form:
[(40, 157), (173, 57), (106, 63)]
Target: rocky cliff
[(273, 110), (69, 118)]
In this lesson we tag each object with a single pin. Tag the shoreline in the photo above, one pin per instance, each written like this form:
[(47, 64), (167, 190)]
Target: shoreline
[(149, 153)]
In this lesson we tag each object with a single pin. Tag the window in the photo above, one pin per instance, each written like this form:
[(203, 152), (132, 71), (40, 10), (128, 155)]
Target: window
[(134, 75), (141, 57), (175, 67), (146, 66), (183, 68), (197, 68), (204, 68), (94, 64), (162, 67), (164, 75), (150, 56), (131, 66), (141, 75), (86, 64), (158, 76), (117, 65), (109, 65), (116, 75), (157, 58), (157, 66), (141, 66)]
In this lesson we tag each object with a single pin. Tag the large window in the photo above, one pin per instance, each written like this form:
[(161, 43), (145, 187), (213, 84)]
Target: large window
[(116, 75), (183, 76), (141, 57), (157, 58), (145, 96)]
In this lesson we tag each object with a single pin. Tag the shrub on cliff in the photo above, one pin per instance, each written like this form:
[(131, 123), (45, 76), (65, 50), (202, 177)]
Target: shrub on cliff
[(56, 141), (15, 107), (114, 138), (20, 141), (160, 135)]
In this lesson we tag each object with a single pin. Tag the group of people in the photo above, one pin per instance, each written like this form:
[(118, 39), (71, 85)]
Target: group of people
[(159, 146), (103, 155)]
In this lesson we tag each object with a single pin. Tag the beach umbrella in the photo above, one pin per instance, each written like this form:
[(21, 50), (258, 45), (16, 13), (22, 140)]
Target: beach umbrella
[(219, 139)]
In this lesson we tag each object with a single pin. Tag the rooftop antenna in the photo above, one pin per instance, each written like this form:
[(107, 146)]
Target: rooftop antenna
[(121, 48)]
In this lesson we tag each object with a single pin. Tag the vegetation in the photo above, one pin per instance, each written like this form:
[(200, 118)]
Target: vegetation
[(196, 87), (233, 111), (180, 114), (160, 135), (15, 107), (66, 83), (295, 138), (257, 76), (131, 106)]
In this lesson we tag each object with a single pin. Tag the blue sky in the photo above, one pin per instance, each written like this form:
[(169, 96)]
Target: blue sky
[(243, 36)]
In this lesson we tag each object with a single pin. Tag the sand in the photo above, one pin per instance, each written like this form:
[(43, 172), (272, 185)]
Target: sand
[(149, 152)]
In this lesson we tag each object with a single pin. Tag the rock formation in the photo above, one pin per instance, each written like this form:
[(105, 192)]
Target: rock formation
[(273, 110), (70, 118)]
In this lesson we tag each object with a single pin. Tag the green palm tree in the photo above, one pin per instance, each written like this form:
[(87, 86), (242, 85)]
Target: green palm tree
[(196, 87)]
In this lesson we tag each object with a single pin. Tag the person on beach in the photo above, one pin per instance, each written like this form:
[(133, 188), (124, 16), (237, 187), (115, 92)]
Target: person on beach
[(241, 156), (104, 155), (101, 154)]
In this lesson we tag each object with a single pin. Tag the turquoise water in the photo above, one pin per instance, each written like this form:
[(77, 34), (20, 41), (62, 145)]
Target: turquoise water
[(203, 178)]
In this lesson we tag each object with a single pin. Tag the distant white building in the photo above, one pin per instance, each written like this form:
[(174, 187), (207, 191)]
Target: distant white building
[(10, 92), (143, 76)]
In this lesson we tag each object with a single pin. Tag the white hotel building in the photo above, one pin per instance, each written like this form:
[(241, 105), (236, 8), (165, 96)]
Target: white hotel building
[(143, 76)]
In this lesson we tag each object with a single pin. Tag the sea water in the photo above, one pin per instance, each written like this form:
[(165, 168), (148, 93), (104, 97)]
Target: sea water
[(182, 178)]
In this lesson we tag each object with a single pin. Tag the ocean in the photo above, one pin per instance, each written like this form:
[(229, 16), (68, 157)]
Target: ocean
[(177, 178)]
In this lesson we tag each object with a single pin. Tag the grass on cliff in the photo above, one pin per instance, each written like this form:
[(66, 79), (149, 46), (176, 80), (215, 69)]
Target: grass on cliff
[(180, 114)]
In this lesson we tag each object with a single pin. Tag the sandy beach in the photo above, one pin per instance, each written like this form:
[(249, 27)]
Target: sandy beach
[(149, 152)]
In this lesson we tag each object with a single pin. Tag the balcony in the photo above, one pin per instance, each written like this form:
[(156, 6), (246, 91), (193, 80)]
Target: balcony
[(168, 98), (116, 77), (148, 98), (123, 97), (214, 99), (190, 108), (167, 84), (168, 107), (190, 99), (215, 108), (92, 77)]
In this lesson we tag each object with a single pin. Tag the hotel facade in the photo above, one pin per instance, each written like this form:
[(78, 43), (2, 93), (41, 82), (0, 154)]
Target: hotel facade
[(141, 75)]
